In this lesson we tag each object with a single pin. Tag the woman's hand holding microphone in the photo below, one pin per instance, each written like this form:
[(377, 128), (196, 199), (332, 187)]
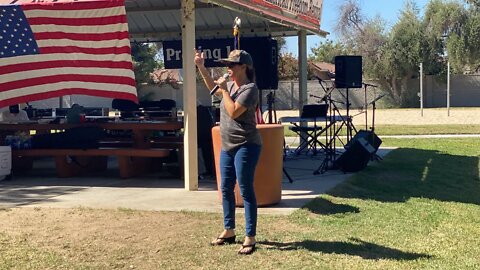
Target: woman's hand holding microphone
[(214, 85)]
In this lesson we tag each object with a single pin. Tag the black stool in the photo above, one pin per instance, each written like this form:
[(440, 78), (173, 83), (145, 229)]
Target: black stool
[(309, 134)]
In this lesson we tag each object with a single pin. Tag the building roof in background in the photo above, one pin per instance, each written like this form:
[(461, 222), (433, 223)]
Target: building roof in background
[(171, 77), (323, 66), (323, 70)]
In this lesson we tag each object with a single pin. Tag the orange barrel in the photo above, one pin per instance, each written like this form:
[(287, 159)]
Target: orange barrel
[(268, 174)]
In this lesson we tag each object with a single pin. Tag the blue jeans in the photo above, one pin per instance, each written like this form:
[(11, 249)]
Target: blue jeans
[(239, 164)]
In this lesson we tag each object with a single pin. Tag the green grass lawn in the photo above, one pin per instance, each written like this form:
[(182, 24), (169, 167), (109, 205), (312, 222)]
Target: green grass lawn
[(414, 130), (416, 209), (419, 208)]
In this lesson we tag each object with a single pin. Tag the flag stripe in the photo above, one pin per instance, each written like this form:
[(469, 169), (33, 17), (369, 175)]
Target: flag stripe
[(258, 116), (69, 91), (86, 5), (74, 13), (66, 77), (98, 87), (79, 21), (82, 37), (37, 74), (94, 51), (80, 30), (64, 63), (84, 44), (74, 57)]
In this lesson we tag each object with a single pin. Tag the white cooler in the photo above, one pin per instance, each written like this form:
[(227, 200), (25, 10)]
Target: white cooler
[(5, 161)]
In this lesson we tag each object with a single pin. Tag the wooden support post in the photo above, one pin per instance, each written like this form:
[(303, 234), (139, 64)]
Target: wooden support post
[(189, 95)]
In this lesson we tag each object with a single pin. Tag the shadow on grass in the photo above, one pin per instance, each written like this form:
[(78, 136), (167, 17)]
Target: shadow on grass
[(322, 206), (357, 247), (407, 173)]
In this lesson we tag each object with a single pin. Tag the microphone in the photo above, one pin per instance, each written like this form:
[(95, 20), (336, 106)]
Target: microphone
[(237, 22), (215, 88)]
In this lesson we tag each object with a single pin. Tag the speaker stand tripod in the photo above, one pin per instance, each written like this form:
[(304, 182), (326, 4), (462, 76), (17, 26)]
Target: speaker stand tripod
[(272, 118), (350, 126), (287, 175), (272, 111), (283, 168), (331, 131), (375, 156)]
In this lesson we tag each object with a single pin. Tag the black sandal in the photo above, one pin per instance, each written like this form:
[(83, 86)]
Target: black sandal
[(250, 251), (223, 240)]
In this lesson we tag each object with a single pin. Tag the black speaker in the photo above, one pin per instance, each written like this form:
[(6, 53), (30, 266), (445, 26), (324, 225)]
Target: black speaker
[(264, 52), (348, 71), (369, 136), (355, 157)]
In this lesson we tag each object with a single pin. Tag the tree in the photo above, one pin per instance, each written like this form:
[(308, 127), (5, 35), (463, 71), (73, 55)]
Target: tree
[(326, 51), (287, 67), (402, 56), (282, 44), (144, 61), (443, 22), (386, 56), (462, 42), (372, 45), (393, 57), (287, 63), (475, 4)]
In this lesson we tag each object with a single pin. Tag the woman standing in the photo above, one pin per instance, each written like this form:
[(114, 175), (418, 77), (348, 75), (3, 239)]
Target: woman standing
[(241, 142)]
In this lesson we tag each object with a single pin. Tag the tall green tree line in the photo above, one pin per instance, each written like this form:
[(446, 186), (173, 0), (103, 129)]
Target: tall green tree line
[(449, 29)]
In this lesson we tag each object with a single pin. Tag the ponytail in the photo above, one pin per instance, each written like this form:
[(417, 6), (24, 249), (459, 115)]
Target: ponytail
[(250, 71)]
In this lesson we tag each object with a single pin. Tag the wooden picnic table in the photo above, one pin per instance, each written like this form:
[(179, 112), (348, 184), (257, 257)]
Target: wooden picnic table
[(141, 130), (133, 158)]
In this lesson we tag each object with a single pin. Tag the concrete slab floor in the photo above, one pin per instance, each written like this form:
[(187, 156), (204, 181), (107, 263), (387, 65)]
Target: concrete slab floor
[(159, 191)]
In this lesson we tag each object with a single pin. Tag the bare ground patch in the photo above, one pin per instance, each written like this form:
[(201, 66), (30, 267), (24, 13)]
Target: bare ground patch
[(118, 239), (431, 116)]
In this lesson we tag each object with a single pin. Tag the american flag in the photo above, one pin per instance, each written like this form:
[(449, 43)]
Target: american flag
[(54, 49)]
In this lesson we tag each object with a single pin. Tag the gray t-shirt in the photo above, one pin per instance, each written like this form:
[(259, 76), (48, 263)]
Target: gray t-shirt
[(243, 129)]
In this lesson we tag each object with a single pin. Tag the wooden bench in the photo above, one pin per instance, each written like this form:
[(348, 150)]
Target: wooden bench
[(71, 162), (172, 143)]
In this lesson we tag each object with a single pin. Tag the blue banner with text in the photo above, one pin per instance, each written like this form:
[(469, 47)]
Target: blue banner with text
[(215, 49), (263, 50)]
